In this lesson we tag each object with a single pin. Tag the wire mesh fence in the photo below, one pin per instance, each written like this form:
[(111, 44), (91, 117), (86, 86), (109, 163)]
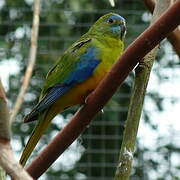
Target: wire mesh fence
[(95, 154)]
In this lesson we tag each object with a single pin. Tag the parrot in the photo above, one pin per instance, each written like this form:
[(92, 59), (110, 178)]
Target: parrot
[(76, 74)]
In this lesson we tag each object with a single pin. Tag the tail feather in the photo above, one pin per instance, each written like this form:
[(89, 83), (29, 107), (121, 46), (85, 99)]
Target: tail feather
[(41, 126), (30, 118)]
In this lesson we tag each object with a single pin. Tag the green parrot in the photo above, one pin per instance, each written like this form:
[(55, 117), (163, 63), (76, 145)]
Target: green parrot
[(77, 73)]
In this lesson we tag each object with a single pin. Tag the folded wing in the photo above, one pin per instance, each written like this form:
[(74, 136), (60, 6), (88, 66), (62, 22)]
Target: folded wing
[(75, 66)]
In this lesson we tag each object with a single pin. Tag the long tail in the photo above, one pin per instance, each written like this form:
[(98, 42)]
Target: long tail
[(41, 126)]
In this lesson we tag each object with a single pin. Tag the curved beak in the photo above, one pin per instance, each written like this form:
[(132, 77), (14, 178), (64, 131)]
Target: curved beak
[(123, 30)]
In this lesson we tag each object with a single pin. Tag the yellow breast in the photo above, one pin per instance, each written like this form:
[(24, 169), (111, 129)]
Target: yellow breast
[(79, 92)]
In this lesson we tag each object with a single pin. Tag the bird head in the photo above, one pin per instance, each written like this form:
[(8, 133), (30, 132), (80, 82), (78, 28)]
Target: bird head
[(110, 24)]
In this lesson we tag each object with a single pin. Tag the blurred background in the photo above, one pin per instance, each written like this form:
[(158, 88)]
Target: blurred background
[(95, 154)]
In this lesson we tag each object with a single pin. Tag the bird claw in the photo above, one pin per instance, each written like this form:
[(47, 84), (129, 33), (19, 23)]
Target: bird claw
[(86, 100)]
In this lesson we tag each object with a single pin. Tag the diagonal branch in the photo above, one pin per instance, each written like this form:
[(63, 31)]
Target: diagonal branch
[(31, 61), (173, 37), (95, 102)]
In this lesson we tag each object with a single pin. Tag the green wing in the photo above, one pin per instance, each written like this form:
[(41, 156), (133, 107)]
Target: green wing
[(75, 66), (66, 64)]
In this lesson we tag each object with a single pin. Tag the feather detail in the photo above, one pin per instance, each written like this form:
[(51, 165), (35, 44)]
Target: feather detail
[(83, 69)]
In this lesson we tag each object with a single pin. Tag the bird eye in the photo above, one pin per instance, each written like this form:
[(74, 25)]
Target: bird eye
[(110, 21)]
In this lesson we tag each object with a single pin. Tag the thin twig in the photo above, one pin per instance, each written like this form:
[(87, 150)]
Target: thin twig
[(31, 61), (173, 37), (7, 160), (142, 75), (100, 96)]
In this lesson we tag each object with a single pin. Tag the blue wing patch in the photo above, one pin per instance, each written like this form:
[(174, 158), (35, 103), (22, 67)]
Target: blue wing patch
[(82, 71), (85, 67), (54, 93)]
